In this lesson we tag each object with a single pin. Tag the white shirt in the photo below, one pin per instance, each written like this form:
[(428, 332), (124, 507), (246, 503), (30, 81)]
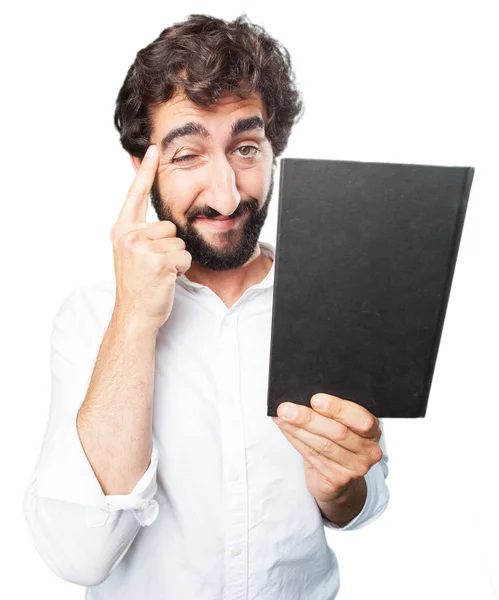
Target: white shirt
[(223, 511)]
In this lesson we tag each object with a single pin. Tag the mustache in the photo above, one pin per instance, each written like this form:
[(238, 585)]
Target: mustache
[(246, 206)]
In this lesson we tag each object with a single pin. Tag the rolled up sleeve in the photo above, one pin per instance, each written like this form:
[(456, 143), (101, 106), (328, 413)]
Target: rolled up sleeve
[(80, 532)]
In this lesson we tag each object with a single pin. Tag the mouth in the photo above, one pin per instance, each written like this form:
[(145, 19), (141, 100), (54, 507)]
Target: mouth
[(218, 223)]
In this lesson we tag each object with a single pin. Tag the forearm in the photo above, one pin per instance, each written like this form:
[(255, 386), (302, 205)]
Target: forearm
[(346, 507), (114, 422)]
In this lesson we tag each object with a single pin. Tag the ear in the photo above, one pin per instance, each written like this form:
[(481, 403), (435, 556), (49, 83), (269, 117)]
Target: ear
[(135, 162)]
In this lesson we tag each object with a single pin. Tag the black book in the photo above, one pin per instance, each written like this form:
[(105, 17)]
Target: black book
[(365, 256)]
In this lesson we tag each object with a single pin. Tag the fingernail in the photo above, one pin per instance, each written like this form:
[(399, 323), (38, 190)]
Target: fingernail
[(288, 411), (151, 151), (320, 402)]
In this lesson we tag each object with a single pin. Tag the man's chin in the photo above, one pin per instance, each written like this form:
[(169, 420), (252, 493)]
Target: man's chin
[(221, 256), (216, 253)]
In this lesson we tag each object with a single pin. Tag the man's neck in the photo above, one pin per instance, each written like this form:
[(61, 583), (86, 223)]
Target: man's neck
[(230, 285)]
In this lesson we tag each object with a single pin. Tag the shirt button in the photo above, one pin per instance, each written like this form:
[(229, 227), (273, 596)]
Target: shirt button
[(234, 475), (236, 551)]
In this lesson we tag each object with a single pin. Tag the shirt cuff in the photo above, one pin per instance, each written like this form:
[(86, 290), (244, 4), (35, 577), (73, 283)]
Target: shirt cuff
[(65, 473), (140, 500)]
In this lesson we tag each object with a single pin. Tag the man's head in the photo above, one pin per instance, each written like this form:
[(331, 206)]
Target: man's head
[(221, 96)]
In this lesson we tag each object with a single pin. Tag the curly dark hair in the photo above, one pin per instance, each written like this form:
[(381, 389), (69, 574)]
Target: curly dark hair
[(207, 57)]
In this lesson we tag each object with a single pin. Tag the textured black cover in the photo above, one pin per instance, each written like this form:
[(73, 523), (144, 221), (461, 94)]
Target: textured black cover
[(365, 256)]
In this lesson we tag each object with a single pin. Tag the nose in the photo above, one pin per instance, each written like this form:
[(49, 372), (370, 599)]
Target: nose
[(221, 192)]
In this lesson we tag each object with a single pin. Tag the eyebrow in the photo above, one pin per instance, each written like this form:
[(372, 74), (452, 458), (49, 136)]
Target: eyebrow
[(195, 128)]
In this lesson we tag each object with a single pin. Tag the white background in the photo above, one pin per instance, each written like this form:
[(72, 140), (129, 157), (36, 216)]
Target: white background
[(401, 82)]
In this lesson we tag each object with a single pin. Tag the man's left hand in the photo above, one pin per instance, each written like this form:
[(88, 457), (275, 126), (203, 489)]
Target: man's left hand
[(339, 443)]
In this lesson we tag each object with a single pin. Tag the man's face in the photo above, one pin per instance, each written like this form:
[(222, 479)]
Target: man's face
[(225, 174)]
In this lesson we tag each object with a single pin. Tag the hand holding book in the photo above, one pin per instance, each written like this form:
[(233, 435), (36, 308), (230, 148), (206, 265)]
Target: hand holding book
[(338, 441)]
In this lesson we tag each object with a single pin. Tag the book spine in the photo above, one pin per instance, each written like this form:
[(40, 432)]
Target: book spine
[(463, 204)]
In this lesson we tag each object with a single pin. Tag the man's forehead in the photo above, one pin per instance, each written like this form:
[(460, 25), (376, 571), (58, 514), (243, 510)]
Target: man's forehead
[(179, 106)]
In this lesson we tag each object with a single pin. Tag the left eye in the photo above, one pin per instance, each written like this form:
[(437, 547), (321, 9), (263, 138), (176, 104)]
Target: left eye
[(251, 148)]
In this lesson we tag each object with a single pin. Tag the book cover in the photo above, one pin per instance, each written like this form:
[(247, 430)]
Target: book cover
[(364, 261)]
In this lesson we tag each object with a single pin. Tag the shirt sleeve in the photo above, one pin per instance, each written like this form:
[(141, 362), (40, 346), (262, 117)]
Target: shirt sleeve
[(80, 532), (378, 494)]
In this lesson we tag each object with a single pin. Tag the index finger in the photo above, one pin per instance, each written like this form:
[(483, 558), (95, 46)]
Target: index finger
[(134, 209), (353, 415)]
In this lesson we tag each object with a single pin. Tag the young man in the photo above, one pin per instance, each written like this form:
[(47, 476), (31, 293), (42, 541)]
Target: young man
[(161, 475)]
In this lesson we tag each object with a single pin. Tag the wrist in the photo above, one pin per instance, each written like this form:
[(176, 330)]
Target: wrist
[(131, 325), (344, 494), (347, 505)]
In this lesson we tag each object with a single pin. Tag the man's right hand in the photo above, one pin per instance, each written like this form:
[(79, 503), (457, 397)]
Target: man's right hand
[(147, 256)]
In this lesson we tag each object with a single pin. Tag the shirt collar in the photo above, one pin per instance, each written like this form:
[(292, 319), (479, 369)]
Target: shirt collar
[(267, 248)]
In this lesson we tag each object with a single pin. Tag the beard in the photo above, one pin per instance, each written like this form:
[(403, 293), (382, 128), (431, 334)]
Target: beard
[(239, 246)]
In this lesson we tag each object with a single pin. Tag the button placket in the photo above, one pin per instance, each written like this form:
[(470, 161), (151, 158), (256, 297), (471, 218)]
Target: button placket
[(234, 457)]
